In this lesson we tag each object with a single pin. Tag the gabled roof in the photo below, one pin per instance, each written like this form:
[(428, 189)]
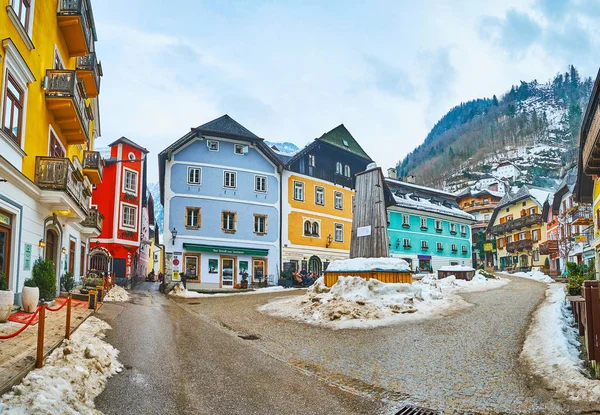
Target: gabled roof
[(227, 125), (567, 185), (341, 137), (125, 140), (537, 194)]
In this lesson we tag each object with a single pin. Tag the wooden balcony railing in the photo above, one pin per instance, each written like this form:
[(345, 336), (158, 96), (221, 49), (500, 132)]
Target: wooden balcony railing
[(76, 21), (472, 207), (522, 222), (63, 85), (94, 219), (519, 246), (93, 166), (90, 71), (549, 247), (59, 174)]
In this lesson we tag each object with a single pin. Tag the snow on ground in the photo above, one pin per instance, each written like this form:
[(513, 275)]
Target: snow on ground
[(354, 302), (534, 274), (73, 375), (368, 264), (551, 349), (180, 291), (456, 268), (117, 293)]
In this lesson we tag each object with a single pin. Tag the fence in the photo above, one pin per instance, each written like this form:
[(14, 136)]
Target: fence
[(586, 310)]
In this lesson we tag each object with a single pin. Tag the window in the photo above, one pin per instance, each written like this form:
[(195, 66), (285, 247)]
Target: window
[(454, 249), (532, 211), (438, 225), (347, 170), (228, 220), (82, 259), (486, 201), (229, 179), (260, 224), (194, 175), (315, 229), (192, 217), (299, 191), (424, 223), (405, 221), (311, 160), (338, 168), (536, 235), (22, 9), (536, 255), (424, 245), (339, 232), (128, 214), (486, 217), (260, 184), (406, 243), (191, 265), (345, 143), (453, 228), (463, 230), (464, 249), (439, 246), (130, 182), (509, 239), (212, 145), (240, 149), (56, 149), (338, 199), (319, 196), (307, 228), (12, 114)]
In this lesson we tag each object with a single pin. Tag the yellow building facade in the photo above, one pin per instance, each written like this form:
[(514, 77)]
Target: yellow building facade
[(49, 120)]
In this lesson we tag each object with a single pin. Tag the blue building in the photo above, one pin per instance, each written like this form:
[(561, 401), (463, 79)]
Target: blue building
[(427, 228), (220, 188)]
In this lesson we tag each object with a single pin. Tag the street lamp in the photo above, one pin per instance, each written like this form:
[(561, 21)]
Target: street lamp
[(174, 233), (397, 243), (329, 240)]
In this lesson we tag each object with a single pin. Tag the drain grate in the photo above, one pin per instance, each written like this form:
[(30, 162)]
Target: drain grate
[(416, 410)]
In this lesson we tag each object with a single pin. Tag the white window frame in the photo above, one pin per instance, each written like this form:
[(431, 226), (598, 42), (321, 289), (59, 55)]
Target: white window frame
[(454, 248), (440, 227), (338, 227), (229, 212), (424, 244), (241, 147), (124, 186), (122, 225), (463, 229), (406, 243), (311, 160), (24, 33), (335, 200), (439, 246), (208, 145), (321, 190), (301, 188), (453, 227), (424, 223), (199, 169), (347, 171), (405, 220), (339, 168), (256, 217), (464, 249), (265, 180), (225, 173)]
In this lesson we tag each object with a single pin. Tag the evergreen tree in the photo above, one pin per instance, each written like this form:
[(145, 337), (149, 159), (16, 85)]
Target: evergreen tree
[(495, 100)]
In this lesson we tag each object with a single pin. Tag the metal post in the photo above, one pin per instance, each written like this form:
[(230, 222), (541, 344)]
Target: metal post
[(40, 339), (68, 322)]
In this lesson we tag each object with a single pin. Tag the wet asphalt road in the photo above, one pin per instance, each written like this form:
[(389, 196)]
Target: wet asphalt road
[(177, 363)]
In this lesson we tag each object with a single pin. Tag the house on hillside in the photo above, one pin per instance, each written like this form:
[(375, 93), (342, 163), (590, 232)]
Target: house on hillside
[(318, 194), (427, 228), (506, 170), (220, 188)]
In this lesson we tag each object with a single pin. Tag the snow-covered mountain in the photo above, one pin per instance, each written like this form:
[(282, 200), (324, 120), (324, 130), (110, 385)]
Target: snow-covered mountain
[(154, 189), (285, 147)]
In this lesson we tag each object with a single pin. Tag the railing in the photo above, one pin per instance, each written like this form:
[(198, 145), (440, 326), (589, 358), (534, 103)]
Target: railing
[(59, 174), (478, 206), (94, 219), (522, 222), (64, 84), (79, 8), (89, 62), (343, 180), (519, 246), (93, 160), (549, 247), (586, 310), (582, 212)]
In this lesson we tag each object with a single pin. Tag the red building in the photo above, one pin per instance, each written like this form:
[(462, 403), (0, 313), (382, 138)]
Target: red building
[(120, 197)]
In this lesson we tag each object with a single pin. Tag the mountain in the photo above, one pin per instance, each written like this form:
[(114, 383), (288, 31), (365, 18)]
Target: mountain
[(285, 148), (154, 189), (534, 125)]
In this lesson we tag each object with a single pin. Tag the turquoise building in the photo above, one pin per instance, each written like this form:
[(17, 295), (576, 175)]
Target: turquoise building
[(427, 228)]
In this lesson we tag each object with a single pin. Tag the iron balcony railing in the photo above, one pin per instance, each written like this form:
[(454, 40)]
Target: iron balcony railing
[(582, 213), (93, 160), (522, 222), (519, 246), (94, 219), (89, 62), (64, 84), (79, 8), (59, 174)]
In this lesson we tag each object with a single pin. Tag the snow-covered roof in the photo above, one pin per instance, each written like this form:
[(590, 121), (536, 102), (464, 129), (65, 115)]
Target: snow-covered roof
[(368, 264), (416, 186), (425, 205)]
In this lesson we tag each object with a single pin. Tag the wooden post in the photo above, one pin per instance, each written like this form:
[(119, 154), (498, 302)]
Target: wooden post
[(40, 339), (68, 322)]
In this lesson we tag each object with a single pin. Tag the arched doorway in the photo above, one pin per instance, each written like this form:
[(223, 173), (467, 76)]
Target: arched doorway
[(314, 265), (52, 246), (100, 260), (524, 261)]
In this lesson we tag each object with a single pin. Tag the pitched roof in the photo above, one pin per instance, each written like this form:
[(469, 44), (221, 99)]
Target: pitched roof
[(125, 140), (341, 137), (537, 194), (226, 124)]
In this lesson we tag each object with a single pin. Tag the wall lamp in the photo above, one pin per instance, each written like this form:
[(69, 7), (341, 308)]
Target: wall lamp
[(41, 243), (397, 243), (329, 241), (174, 233), (63, 250)]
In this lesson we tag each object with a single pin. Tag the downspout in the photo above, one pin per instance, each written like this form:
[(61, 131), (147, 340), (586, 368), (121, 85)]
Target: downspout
[(280, 267)]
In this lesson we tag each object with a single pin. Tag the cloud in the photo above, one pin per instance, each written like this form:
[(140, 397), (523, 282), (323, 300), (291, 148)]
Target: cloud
[(516, 32), (389, 78)]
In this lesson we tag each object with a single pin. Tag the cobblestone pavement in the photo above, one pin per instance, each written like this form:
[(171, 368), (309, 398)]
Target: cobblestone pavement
[(467, 362)]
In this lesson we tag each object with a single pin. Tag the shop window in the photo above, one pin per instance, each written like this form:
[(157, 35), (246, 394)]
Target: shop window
[(191, 264)]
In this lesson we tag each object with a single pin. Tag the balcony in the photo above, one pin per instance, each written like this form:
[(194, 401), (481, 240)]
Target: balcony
[(62, 179), (343, 180), (89, 71), (549, 247), (65, 98), (519, 246), (582, 215), (76, 23), (93, 220), (522, 222), (93, 166), (477, 206)]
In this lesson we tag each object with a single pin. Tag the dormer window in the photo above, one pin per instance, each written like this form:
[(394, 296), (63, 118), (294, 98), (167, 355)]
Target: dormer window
[(212, 145), (240, 149)]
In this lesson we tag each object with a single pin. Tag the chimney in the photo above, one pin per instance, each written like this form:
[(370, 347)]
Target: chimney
[(392, 174), (411, 179)]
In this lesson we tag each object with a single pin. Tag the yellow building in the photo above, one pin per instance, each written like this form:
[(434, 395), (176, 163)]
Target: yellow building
[(318, 193), (49, 115), (520, 229)]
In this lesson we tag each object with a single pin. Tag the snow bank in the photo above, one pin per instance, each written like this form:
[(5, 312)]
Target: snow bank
[(179, 291), (534, 274), (117, 293), (456, 268), (551, 349), (73, 375), (354, 302), (368, 264)]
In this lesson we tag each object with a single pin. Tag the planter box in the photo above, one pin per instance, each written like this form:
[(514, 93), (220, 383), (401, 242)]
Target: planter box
[(285, 283), (331, 277)]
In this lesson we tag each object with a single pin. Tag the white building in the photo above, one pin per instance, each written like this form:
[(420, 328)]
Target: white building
[(506, 170)]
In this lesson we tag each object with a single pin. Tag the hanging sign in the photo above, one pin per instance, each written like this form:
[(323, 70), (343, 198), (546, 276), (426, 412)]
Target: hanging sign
[(27, 258)]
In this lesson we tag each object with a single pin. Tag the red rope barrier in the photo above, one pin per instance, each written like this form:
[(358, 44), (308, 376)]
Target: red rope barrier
[(57, 308), (16, 333)]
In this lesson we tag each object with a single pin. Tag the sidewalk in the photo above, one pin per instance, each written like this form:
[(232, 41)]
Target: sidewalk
[(17, 355)]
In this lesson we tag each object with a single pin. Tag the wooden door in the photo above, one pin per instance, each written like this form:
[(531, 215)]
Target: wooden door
[(72, 257), (4, 251), (51, 245)]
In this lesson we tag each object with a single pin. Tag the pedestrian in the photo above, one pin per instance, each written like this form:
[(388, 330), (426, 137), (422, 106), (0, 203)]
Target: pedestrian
[(184, 280)]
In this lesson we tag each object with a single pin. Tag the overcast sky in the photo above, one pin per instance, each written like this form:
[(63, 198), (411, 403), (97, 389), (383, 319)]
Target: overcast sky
[(290, 71)]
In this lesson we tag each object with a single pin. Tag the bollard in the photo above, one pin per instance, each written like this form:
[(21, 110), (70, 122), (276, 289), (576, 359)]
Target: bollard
[(68, 322), (92, 300), (39, 362), (99, 294)]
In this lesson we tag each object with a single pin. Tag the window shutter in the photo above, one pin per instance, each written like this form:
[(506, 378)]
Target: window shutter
[(199, 217), (528, 234), (222, 220), (516, 237)]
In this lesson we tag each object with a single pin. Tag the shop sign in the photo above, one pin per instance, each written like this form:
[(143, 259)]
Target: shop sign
[(580, 238), (488, 247), (4, 219), (176, 266), (27, 258), (363, 231), (227, 250)]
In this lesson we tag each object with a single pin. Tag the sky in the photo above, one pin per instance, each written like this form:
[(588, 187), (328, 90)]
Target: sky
[(293, 70)]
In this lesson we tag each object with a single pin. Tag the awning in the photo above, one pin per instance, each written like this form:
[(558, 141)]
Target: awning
[(424, 256), (228, 250)]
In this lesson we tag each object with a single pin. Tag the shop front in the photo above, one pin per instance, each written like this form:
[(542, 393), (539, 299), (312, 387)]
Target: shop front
[(424, 263)]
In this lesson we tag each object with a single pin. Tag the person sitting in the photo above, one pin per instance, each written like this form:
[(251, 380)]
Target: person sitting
[(297, 278)]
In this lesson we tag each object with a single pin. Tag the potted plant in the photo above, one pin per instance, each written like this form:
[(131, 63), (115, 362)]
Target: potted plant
[(286, 279), (244, 283), (6, 299), (30, 295), (67, 282), (44, 276), (575, 277)]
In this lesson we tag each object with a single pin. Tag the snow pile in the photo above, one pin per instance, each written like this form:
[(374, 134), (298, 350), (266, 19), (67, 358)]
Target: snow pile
[(180, 291), (451, 284), (117, 293), (534, 274), (368, 264), (73, 375), (552, 349), (456, 268)]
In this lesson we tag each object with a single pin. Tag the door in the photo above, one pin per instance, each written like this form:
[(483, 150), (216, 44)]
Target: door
[(192, 267), (314, 265), (51, 245), (228, 272), (4, 251), (259, 270), (72, 257)]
